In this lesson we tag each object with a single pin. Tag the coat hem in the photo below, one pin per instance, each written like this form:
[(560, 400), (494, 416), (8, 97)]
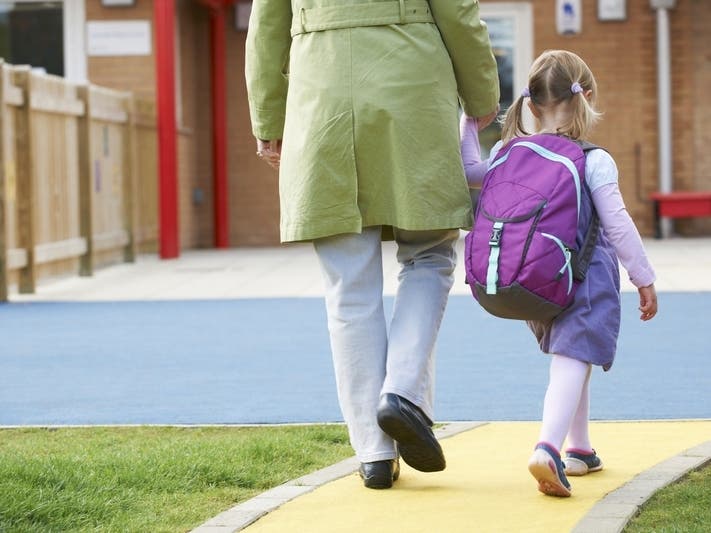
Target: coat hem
[(309, 232)]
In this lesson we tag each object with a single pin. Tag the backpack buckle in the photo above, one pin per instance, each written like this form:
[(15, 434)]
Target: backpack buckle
[(496, 232)]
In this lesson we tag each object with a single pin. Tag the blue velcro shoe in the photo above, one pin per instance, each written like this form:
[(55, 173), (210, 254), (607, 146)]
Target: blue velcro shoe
[(545, 465), (581, 462)]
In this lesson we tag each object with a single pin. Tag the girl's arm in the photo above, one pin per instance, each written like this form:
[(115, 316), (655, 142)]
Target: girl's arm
[(474, 167), (622, 234)]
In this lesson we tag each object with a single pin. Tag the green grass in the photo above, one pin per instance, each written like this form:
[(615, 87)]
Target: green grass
[(155, 479), (163, 479), (684, 506)]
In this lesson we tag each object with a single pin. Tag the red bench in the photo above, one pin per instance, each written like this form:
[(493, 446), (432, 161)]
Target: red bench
[(680, 205)]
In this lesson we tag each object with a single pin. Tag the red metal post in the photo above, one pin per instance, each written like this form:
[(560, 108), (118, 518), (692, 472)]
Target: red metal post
[(164, 19), (219, 128)]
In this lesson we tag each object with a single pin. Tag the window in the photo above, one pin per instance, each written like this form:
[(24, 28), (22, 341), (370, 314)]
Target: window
[(48, 35), (32, 33)]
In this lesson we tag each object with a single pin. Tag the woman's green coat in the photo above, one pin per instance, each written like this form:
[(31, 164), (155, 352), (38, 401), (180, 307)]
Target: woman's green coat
[(365, 96)]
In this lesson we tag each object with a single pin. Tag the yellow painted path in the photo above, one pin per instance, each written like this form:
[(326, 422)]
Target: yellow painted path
[(486, 486)]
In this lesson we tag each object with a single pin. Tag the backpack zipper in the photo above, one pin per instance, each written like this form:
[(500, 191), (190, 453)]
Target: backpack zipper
[(567, 266)]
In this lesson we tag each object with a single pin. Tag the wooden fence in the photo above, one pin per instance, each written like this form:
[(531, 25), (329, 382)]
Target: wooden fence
[(77, 180)]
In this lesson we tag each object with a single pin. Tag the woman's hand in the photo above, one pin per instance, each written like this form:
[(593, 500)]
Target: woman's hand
[(483, 122), (647, 302), (269, 152)]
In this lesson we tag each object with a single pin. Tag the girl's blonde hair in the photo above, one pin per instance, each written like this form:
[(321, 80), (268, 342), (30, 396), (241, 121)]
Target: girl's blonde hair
[(551, 81)]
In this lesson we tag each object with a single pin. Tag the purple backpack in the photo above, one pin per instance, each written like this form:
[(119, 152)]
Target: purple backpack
[(521, 257)]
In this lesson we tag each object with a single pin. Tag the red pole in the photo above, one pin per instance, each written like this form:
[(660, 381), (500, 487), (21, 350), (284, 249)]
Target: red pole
[(219, 128), (164, 18)]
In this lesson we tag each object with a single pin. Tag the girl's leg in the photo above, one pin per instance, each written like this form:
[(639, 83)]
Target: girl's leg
[(353, 275), (579, 435), (567, 381), (427, 260), (580, 458)]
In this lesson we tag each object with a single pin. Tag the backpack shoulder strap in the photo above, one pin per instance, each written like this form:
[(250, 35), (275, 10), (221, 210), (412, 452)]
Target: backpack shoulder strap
[(582, 261), (584, 256), (588, 146)]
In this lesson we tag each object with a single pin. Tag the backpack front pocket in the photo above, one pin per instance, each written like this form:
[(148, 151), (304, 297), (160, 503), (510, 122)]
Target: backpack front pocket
[(548, 269)]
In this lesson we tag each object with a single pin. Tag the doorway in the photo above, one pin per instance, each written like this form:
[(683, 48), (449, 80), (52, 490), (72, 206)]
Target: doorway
[(511, 32)]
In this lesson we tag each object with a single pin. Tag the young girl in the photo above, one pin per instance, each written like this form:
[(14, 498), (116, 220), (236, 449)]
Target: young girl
[(561, 95)]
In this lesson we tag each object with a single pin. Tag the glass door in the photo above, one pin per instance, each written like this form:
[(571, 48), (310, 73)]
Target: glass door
[(511, 32)]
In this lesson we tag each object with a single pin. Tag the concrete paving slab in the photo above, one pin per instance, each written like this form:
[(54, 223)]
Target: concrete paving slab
[(292, 271)]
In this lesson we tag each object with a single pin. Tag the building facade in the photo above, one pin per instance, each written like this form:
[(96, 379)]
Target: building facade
[(114, 43)]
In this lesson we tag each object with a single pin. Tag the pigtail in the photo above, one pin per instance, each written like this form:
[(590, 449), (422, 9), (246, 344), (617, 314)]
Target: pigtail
[(584, 115), (512, 121)]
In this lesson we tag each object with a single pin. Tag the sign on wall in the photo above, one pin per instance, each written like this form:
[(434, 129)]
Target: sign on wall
[(568, 17), (118, 38), (612, 9)]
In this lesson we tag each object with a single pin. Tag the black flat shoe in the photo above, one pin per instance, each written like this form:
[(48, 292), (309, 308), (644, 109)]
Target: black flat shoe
[(380, 474), (410, 427)]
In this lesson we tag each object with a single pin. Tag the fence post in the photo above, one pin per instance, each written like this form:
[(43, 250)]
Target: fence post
[(3, 223), (86, 230), (129, 181), (25, 179)]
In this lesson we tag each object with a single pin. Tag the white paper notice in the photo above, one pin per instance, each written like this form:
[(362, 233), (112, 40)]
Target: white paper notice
[(118, 38)]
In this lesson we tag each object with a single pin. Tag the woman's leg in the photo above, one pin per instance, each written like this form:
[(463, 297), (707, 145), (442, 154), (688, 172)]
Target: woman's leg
[(567, 380), (427, 260), (353, 275)]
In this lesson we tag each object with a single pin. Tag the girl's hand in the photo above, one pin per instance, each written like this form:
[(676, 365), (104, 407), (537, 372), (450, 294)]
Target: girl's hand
[(270, 152), (647, 302)]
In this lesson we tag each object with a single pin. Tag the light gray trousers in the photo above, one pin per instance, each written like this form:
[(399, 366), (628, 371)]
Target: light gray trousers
[(370, 360)]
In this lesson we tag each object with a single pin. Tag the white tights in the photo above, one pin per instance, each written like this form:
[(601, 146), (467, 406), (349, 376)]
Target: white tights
[(566, 409)]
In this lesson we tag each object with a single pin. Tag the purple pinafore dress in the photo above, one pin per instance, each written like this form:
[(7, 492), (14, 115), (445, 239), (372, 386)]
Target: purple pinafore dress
[(589, 328)]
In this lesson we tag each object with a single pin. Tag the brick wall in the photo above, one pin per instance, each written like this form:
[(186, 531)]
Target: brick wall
[(254, 190), (254, 202), (700, 105), (700, 111), (195, 172), (621, 54), (623, 57), (131, 73), (137, 74)]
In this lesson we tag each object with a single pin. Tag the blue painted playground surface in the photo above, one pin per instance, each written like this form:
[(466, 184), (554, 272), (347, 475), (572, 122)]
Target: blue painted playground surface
[(267, 361)]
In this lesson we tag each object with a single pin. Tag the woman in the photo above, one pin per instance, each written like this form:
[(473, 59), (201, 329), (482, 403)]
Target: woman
[(356, 103)]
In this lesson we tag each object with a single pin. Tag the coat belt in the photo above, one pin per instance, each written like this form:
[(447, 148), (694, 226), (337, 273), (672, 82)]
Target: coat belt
[(308, 20)]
